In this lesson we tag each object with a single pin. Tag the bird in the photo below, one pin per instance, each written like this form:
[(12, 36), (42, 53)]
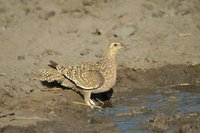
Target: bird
[(86, 78)]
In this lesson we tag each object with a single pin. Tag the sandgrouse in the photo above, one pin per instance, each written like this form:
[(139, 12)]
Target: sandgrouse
[(86, 78)]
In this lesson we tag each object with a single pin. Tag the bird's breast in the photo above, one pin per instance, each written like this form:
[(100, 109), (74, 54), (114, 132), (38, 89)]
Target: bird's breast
[(109, 74)]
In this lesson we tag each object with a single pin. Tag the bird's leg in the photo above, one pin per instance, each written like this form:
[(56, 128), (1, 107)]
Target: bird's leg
[(89, 101), (92, 102)]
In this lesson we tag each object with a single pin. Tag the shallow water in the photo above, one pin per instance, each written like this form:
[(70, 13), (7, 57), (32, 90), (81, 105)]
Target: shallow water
[(130, 114)]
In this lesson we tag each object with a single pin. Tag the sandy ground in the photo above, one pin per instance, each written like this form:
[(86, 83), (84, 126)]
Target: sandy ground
[(161, 37)]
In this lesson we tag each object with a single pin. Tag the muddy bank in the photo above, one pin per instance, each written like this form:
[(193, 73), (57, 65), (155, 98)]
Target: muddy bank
[(130, 79), (55, 111)]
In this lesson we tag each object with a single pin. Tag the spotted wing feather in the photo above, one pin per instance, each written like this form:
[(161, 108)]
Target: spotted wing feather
[(85, 78)]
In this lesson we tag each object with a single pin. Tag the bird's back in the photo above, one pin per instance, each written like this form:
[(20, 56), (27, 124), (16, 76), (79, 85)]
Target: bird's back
[(91, 76)]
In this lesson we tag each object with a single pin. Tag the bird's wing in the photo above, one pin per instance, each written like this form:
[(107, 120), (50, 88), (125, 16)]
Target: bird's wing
[(87, 79)]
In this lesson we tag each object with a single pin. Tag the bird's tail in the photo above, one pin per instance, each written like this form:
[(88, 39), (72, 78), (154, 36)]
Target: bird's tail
[(53, 64), (51, 75)]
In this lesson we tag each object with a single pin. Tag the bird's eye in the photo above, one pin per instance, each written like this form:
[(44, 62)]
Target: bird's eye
[(115, 44)]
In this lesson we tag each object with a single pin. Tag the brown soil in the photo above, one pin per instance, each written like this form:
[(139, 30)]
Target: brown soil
[(162, 39)]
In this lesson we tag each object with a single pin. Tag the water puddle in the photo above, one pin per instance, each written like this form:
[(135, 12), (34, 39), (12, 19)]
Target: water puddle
[(136, 111)]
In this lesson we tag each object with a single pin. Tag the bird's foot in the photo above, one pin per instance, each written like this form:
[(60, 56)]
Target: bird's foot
[(92, 104), (102, 103), (96, 106)]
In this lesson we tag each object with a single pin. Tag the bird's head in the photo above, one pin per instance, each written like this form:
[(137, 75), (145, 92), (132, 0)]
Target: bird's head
[(113, 48)]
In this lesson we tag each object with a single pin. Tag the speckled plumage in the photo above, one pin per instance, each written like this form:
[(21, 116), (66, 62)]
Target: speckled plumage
[(87, 78)]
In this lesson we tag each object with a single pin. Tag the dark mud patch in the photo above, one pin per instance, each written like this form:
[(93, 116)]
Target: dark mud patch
[(145, 81), (159, 100)]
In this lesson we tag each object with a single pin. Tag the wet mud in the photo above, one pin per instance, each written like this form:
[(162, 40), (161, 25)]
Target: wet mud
[(157, 100)]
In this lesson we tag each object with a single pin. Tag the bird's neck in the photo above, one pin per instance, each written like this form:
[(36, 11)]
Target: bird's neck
[(111, 63), (111, 57), (111, 54)]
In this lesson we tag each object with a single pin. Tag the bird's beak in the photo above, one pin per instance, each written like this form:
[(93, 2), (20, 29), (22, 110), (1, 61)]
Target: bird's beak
[(125, 47), (122, 45)]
